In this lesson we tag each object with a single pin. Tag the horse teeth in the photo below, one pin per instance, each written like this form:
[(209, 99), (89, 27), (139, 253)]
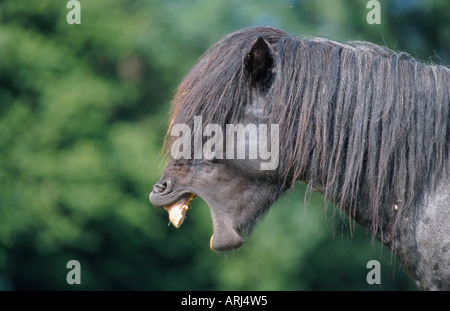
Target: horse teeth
[(177, 211)]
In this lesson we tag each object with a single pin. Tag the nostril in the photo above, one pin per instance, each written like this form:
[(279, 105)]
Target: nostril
[(162, 186), (159, 188)]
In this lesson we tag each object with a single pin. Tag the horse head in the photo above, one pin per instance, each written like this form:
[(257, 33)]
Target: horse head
[(226, 155)]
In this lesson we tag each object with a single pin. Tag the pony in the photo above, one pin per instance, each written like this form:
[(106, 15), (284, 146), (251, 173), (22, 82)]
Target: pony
[(364, 125)]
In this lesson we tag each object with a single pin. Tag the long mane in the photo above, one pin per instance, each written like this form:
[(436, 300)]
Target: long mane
[(359, 121)]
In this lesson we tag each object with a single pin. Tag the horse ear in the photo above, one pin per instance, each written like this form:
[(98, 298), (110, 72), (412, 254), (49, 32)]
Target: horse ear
[(259, 62)]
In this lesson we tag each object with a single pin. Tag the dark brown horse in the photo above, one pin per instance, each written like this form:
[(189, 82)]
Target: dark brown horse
[(367, 127)]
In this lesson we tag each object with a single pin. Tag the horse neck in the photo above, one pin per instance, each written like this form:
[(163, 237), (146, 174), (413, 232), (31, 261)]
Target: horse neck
[(381, 174)]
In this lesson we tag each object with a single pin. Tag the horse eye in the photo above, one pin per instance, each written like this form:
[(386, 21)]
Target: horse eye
[(180, 164), (214, 160)]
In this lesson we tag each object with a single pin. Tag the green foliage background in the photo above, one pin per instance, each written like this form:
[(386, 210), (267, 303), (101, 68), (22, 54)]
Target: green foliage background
[(83, 110)]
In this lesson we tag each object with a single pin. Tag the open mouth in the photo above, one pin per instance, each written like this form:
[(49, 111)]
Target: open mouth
[(225, 233), (177, 211)]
